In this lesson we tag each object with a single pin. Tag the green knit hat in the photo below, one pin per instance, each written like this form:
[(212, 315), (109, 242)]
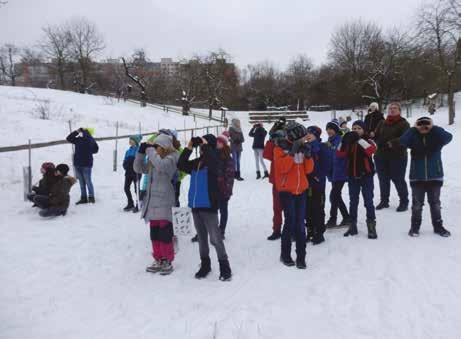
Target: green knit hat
[(136, 138), (151, 138)]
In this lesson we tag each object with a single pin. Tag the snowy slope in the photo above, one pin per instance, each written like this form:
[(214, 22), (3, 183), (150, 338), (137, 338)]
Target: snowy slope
[(82, 276)]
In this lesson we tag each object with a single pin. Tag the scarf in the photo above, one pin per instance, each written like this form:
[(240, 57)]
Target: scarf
[(393, 119)]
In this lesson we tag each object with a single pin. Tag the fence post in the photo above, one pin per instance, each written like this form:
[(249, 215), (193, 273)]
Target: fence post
[(207, 130), (116, 148), (217, 130), (73, 147), (139, 127)]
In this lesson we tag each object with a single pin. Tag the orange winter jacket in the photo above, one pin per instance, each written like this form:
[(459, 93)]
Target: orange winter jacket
[(289, 176)]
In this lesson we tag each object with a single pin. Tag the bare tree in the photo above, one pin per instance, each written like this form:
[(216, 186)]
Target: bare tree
[(55, 45), (9, 56), (85, 43), (299, 79), (436, 32)]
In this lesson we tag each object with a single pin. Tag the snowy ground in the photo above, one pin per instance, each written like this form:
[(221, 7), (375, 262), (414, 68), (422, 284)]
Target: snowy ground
[(83, 275)]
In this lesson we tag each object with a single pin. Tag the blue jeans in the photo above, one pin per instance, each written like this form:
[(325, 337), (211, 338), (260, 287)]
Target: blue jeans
[(236, 156), (223, 214), (84, 178), (366, 185), (294, 209), (392, 170)]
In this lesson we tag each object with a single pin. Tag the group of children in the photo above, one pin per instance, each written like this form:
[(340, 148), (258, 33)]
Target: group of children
[(301, 163)]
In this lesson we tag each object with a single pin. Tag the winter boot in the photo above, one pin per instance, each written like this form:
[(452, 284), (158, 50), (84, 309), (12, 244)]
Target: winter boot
[(288, 261), (194, 238), (91, 200), (166, 267), (129, 207), (82, 201), (318, 239), (266, 175), (403, 206), (301, 263), (155, 267), (352, 230), (225, 273), (440, 230), (238, 177), (413, 232), (371, 225), (331, 223), (205, 268), (258, 175), (274, 236), (135, 209), (382, 205)]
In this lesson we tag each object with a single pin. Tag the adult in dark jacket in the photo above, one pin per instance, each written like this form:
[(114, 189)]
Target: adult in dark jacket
[(337, 175), (372, 119), (226, 175), (426, 171), (57, 201), (131, 177), (258, 133), (236, 140), (85, 147), (204, 202), (391, 157)]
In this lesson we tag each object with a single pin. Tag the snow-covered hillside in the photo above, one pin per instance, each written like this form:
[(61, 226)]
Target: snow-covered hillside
[(83, 275)]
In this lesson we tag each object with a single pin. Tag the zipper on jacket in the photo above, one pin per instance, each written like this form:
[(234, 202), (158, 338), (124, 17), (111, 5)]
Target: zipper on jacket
[(196, 183), (425, 159), (299, 181)]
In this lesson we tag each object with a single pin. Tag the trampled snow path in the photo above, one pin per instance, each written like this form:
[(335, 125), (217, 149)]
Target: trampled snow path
[(82, 276)]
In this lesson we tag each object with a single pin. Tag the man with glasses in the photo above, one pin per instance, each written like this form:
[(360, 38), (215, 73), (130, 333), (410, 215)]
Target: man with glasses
[(426, 174)]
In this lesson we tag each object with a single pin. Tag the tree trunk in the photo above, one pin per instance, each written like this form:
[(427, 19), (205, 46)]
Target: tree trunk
[(451, 102)]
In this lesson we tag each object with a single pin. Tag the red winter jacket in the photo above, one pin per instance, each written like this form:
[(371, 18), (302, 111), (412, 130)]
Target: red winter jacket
[(268, 154)]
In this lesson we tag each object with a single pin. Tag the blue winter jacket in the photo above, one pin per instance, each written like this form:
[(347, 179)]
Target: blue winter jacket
[(128, 161), (85, 147), (337, 167), (426, 153), (319, 153)]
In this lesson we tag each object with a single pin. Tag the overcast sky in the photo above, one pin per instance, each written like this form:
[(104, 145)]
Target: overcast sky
[(250, 30)]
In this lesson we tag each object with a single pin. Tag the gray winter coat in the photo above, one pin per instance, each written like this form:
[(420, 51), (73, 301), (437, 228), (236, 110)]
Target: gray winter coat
[(236, 139), (160, 195)]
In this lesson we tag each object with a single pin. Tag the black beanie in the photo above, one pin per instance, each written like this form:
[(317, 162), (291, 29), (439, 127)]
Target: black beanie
[(63, 169), (211, 139)]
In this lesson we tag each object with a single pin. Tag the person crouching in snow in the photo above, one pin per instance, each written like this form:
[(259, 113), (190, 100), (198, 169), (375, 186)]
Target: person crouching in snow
[(48, 178), (315, 199), (131, 177), (226, 175), (292, 165), (58, 199), (426, 172), (358, 150), (203, 200), (258, 133), (159, 199)]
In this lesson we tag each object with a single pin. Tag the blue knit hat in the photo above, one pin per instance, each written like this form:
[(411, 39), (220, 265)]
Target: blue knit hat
[(315, 130), (136, 138), (334, 125), (360, 123)]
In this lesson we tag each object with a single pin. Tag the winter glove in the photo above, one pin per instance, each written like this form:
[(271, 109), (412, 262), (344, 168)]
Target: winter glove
[(296, 146), (143, 147), (307, 150), (350, 138), (283, 144)]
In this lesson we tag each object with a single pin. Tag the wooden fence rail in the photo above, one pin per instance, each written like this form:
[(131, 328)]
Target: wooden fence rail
[(64, 142)]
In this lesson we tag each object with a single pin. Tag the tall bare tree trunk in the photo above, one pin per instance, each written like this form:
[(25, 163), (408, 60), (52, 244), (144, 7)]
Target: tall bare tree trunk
[(451, 101)]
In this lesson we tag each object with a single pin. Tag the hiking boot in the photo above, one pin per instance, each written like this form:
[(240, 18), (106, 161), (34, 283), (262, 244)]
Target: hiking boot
[(225, 273), (258, 175), (82, 201), (382, 205), (318, 239), (91, 200), (205, 268), (266, 175), (371, 225), (331, 223), (403, 206), (352, 230), (194, 238), (274, 236), (413, 232), (287, 261), (166, 267), (128, 207), (301, 263), (155, 267), (442, 232)]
